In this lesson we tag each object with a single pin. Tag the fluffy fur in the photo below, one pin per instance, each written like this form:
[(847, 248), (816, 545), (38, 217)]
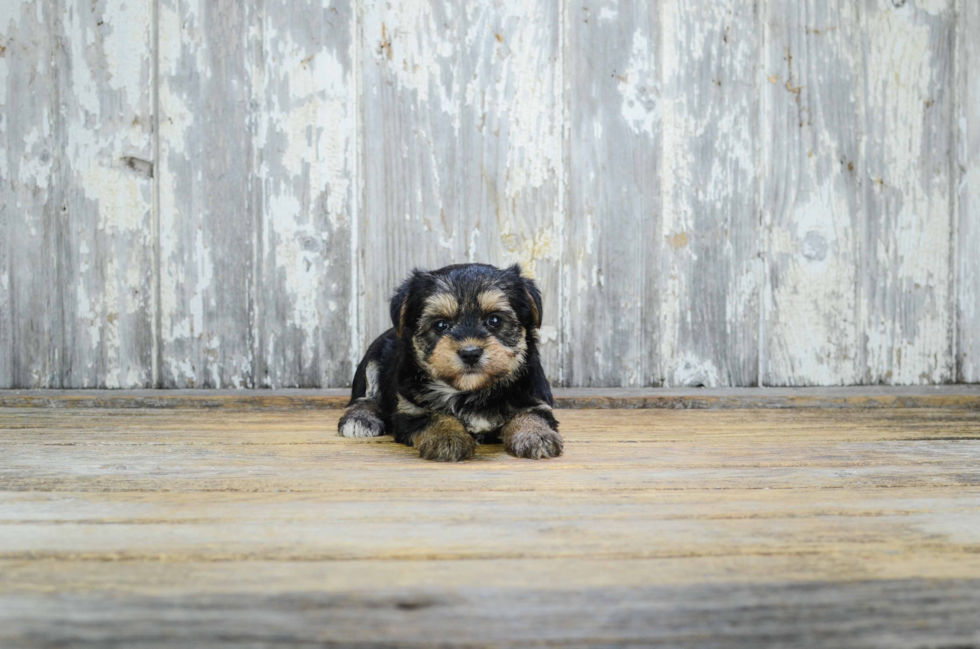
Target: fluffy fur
[(460, 366)]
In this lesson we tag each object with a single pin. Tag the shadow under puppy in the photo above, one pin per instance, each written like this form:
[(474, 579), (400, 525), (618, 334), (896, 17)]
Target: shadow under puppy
[(459, 367)]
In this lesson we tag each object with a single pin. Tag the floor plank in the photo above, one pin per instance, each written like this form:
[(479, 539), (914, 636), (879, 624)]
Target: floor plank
[(728, 528)]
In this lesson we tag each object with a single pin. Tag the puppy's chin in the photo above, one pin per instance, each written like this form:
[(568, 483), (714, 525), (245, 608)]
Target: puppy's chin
[(469, 381)]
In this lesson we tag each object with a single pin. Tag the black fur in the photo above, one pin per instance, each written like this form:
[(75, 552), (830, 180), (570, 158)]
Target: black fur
[(392, 367)]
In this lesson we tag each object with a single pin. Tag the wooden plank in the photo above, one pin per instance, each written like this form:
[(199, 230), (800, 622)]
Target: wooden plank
[(968, 192), (75, 284), (495, 526), (437, 533), (208, 215), (710, 241), (304, 92), (902, 613), (188, 426), (165, 579), (906, 293), (107, 171), (31, 198), (948, 396), (606, 451), (812, 195), (462, 146), (388, 466), (613, 195)]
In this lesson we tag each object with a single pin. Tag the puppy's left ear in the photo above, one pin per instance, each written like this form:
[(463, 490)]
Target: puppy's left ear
[(532, 293), (533, 300)]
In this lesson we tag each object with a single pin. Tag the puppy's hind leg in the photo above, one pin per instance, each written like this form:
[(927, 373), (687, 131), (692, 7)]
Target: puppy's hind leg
[(362, 417)]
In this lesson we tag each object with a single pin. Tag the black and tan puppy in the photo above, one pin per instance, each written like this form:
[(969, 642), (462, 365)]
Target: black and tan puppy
[(459, 367)]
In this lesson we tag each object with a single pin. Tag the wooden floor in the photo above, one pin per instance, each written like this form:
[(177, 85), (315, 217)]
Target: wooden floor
[(723, 528)]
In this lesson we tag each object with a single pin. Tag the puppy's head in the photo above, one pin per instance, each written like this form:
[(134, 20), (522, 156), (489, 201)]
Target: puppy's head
[(468, 325)]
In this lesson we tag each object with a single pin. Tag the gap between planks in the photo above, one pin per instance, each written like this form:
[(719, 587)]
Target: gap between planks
[(944, 396)]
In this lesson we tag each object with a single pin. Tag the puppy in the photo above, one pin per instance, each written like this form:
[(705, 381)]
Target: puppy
[(459, 367)]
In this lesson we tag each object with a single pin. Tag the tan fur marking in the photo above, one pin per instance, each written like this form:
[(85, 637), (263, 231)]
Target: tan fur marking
[(401, 317), (444, 360), (441, 305), (498, 362), (534, 309), (501, 361), (530, 436), (493, 299), (445, 440)]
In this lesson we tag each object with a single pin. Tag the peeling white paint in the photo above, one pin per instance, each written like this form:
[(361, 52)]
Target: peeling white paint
[(534, 145), (934, 7), (689, 370), (639, 88), (36, 167), (703, 192), (529, 250), (126, 26), (415, 43), (814, 339), (314, 120), (10, 12), (907, 344), (547, 334), (607, 14)]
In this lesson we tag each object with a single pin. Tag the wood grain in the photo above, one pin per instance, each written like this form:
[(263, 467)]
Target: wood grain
[(305, 140), (207, 214), (900, 613), (611, 260), (968, 193), (812, 196), (256, 243), (745, 529), (107, 245), (710, 292), (76, 265), (32, 223), (906, 277)]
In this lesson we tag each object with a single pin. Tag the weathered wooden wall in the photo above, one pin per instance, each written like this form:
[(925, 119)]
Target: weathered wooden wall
[(216, 193)]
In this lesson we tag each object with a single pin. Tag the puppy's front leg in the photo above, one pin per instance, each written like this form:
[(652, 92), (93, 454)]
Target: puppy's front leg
[(532, 434), (437, 437)]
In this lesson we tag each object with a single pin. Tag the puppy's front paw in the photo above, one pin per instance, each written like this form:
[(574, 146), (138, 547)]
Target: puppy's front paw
[(361, 420), (445, 440), (531, 437)]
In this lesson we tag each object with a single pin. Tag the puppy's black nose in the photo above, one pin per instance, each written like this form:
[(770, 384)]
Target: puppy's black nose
[(471, 355)]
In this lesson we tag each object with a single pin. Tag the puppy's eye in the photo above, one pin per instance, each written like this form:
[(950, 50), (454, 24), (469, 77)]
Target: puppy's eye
[(494, 321), (440, 325)]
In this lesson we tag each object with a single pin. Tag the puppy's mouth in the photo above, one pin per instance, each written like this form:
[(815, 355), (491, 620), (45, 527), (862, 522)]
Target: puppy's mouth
[(472, 379)]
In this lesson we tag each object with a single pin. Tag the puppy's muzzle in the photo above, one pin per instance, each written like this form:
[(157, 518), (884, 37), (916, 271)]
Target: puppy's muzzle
[(471, 355)]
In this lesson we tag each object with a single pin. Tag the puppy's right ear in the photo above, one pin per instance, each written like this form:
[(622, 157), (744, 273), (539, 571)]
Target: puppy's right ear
[(400, 300)]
